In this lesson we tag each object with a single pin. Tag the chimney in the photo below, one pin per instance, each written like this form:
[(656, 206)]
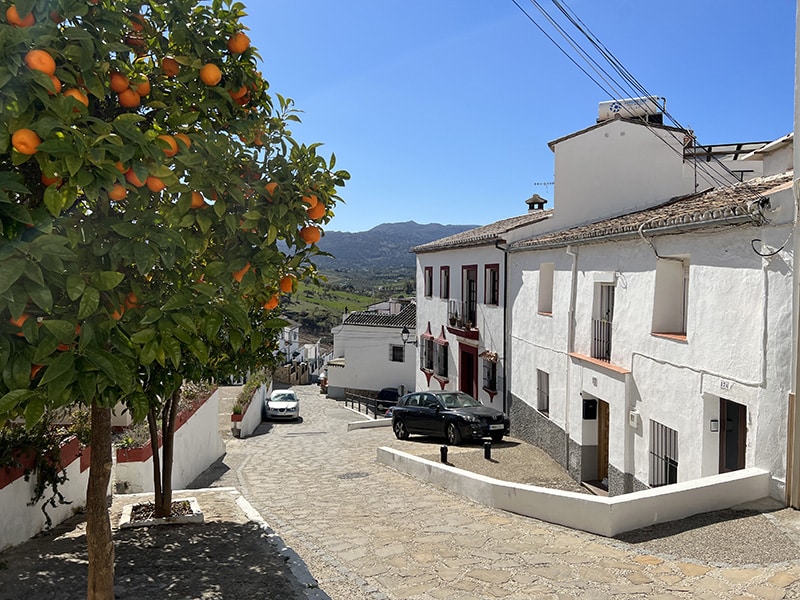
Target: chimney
[(535, 203)]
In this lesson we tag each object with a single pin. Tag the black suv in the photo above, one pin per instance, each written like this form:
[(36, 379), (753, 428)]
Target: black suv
[(452, 415)]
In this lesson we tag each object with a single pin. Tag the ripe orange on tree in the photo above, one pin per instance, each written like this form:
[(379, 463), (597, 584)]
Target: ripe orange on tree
[(271, 187), (25, 141), (184, 138), (287, 283), (129, 98), (236, 94), (117, 192), (311, 200), (13, 18), (56, 85), (49, 180), (198, 201), (131, 177), (137, 21), (116, 313), (170, 67), (39, 60), (210, 74), (131, 301), (317, 211), (119, 82), (142, 88), (154, 184), (18, 322), (311, 234), (271, 303), (78, 95), (172, 148), (35, 369), (238, 42), (238, 275)]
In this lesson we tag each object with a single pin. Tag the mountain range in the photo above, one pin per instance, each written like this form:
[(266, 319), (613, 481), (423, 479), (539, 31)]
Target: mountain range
[(384, 248)]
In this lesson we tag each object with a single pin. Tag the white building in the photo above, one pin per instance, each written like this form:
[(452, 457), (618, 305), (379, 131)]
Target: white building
[(369, 352), (648, 319), (651, 345), (461, 308)]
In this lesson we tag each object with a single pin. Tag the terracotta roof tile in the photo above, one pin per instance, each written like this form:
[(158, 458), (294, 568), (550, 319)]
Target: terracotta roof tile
[(486, 235), (718, 207), (407, 317)]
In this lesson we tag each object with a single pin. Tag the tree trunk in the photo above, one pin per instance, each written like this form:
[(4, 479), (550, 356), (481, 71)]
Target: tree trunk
[(152, 425), (168, 416), (99, 542)]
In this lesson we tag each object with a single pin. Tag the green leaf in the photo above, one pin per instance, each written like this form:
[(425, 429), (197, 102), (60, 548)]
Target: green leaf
[(212, 323), (75, 286), (34, 411), (87, 381), (200, 350), (11, 400), (143, 336), (63, 364), (10, 272), (185, 322), (172, 350), (63, 331), (112, 367), (151, 316), (89, 302), (107, 280), (41, 295)]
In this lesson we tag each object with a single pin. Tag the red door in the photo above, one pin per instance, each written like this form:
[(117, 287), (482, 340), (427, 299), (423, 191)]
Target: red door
[(468, 370)]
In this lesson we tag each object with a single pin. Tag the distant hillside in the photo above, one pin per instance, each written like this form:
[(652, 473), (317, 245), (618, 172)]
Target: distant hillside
[(384, 248)]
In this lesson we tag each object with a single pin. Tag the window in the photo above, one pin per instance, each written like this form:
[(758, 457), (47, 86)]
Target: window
[(444, 283), (490, 375), (469, 293), (397, 353), (428, 282), (441, 360), (546, 272), (426, 354), (663, 455), (671, 296), (492, 293), (543, 392), (601, 324)]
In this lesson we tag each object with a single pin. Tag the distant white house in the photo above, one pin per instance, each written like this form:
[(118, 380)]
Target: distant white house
[(369, 352), (289, 341)]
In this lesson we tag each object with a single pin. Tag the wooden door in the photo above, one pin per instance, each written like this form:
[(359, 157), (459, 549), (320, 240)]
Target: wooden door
[(602, 440), (732, 435)]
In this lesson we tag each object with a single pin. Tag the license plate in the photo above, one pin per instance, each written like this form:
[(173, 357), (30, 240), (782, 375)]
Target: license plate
[(498, 426)]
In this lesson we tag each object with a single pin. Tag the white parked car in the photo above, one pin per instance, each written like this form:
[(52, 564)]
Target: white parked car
[(282, 404)]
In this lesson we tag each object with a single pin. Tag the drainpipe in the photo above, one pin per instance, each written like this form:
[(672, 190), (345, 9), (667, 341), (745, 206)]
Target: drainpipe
[(793, 421), (506, 319), (573, 295)]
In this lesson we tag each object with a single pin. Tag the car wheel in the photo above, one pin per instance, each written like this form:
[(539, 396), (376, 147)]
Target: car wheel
[(497, 437), (452, 434), (400, 431)]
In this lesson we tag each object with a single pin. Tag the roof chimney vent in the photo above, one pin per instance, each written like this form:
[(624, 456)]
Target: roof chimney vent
[(535, 203)]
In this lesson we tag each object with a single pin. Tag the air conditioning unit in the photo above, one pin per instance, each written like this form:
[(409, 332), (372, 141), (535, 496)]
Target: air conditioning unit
[(633, 418)]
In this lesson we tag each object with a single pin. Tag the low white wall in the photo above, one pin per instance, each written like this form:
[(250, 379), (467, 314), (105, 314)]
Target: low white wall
[(251, 419), (20, 522), (197, 445), (595, 514), (382, 422)]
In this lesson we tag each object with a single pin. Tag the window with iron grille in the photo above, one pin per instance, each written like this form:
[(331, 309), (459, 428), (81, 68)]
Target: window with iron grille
[(397, 353), (543, 392), (663, 455), (601, 324), (441, 359), (489, 375), (492, 295), (444, 283), (426, 354), (428, 282)]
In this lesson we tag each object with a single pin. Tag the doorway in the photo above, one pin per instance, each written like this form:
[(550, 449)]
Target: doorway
[(733, 435), (468, 370), (602, 441)]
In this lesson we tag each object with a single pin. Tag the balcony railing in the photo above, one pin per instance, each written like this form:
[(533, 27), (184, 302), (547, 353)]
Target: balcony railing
[(461, 314), (601, 339)]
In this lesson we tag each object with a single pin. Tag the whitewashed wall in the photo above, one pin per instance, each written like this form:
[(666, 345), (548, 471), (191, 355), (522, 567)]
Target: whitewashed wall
[(366, 351), (20, 522), (197, 445)]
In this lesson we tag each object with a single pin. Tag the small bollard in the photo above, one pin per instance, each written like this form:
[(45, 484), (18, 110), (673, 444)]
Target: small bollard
[(443, 454), (487, 450)]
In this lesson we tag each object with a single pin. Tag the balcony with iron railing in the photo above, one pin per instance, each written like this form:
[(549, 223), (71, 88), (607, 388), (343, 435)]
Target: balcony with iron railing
[(461, 317), (601, 339)]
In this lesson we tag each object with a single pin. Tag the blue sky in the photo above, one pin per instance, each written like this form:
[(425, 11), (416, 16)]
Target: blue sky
[(441, 110)]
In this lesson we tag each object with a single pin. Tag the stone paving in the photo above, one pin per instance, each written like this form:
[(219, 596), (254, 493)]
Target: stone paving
[(368, 532)]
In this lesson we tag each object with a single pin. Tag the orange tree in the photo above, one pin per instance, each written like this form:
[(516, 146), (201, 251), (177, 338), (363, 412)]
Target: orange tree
[(146, 178)]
